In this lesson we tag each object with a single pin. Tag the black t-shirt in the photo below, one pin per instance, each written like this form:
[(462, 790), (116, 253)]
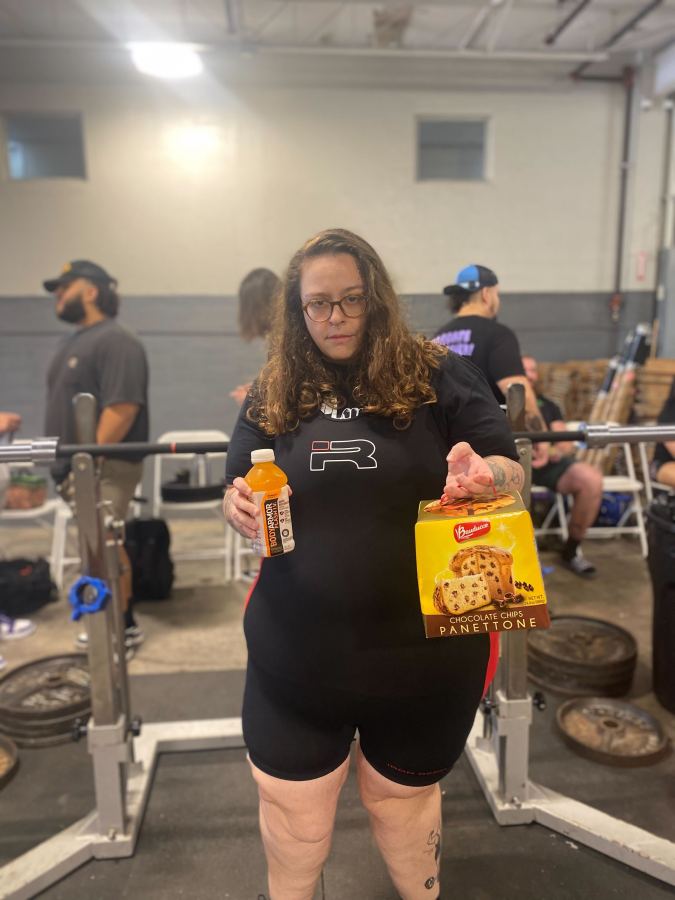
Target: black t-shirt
[(342, 609), (666, 417), (488, 344), (107, 361), (550, 411)]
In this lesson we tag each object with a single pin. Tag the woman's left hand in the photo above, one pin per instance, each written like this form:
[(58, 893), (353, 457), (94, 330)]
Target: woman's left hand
[(468, 473)]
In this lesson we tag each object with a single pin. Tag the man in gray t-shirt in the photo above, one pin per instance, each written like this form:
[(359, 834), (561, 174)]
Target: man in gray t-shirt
[(104, 359)]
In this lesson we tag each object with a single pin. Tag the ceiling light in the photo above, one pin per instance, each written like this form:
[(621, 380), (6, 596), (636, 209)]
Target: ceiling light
[(166, 60)]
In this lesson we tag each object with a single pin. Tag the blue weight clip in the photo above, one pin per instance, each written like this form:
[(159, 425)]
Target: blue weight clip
[(88, 595)]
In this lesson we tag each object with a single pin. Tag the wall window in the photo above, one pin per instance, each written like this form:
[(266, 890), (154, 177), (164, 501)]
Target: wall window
[(451, 149), (44, 146)]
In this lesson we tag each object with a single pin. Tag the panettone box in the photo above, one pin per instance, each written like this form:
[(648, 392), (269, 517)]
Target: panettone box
[(477, 567)]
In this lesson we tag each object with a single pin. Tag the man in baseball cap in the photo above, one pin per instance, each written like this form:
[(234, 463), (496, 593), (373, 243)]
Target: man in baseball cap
[(494, 348), (102, 358)]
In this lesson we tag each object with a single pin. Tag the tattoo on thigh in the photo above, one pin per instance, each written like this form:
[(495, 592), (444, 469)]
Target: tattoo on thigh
[(434, 845)]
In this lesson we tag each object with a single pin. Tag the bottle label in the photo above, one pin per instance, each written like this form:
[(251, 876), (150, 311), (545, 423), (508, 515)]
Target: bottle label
[(275, 534)]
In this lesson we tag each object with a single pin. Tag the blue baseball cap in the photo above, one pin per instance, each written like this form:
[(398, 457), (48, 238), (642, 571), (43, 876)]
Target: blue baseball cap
[(472, 278)]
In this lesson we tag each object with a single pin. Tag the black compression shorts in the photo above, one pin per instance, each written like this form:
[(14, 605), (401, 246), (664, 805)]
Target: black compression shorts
[(549, 475), (299, 734)]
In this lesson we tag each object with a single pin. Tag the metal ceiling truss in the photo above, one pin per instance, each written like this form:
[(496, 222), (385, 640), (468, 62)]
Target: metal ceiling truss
[(582, 32)]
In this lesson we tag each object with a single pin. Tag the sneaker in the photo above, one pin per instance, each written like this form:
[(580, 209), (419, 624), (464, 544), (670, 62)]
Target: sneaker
[(580, 566), (133, 636), (13, 629)]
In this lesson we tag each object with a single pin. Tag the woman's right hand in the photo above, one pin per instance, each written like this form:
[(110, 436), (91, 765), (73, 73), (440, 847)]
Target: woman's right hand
[(239, 510)]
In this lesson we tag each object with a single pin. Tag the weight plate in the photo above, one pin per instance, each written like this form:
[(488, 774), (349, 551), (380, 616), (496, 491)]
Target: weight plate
[(583, 644), (52, 687), (40, 727), (33, 743), (611, 731), (9, 760), (569, 686)]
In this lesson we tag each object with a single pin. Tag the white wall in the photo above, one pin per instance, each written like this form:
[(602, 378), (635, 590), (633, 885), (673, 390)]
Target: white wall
[(187, 191)]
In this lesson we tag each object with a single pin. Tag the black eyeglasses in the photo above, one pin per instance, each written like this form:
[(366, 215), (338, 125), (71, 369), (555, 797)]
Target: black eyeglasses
[(352, 306)]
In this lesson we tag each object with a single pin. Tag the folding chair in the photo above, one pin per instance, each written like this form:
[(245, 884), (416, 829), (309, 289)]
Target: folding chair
[(202, 463), (557, 512)]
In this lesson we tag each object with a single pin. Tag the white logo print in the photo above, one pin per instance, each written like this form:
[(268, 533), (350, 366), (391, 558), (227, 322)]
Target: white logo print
[(360, 453), (350, 412)]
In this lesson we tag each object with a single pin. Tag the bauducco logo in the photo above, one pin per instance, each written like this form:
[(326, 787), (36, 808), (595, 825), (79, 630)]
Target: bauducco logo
[(467, 531)]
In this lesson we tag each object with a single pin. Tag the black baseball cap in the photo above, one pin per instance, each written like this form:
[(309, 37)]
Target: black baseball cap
[(472, 278), (79, 268)]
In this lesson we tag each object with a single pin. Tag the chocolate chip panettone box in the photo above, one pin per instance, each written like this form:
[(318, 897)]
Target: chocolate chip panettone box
[(477, 567)]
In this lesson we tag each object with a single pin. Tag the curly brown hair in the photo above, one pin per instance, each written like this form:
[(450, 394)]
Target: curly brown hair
[(391, 374)]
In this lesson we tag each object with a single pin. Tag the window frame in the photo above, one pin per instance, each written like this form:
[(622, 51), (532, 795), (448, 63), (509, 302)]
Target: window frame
[(6, 117), (458, 118)]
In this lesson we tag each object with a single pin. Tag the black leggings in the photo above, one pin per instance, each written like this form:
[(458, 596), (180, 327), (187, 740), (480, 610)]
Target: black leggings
[(299, 733)]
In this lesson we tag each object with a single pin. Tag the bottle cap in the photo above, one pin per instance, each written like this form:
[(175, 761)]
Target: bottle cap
[(259, 456)]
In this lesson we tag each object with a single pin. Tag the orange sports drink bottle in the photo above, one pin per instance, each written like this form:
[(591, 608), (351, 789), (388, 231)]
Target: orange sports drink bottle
[(270, 494)]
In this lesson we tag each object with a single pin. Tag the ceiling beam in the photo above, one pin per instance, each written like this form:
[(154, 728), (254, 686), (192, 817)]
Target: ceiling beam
[(551, 38), (496, 33), (535, 56), (630, 24), (617, 35), (478, 23)]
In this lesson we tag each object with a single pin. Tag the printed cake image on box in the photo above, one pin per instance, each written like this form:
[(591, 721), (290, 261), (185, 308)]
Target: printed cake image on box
[(477, 567)]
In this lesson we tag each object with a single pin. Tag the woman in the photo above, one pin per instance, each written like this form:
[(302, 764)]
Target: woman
[(257, 293), (361, 415)]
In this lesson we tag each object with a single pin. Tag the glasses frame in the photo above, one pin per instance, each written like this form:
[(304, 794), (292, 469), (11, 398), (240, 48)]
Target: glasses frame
[(333, 304)]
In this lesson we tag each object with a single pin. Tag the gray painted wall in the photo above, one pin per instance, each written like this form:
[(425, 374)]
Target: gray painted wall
[(196, 355)]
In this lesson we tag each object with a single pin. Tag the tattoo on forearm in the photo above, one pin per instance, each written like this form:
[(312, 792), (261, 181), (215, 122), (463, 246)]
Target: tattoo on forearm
[(508, 475)]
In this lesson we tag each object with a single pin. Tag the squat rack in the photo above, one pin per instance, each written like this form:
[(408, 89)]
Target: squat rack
[(125, 753)]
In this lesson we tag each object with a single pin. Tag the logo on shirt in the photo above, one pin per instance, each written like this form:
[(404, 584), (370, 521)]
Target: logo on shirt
[(459, 342), (360, 453), (350, 412), (72, 362)]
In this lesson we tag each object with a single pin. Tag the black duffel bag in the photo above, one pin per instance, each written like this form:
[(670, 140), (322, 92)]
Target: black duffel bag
[(147, 542), (25, 585)]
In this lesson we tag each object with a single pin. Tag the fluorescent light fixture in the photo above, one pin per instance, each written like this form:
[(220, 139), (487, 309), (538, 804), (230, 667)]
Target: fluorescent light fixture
[(166, 60)]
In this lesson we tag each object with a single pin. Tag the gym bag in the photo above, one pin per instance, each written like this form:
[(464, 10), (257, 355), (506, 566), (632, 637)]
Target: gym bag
[(25, 585), (147, 543)]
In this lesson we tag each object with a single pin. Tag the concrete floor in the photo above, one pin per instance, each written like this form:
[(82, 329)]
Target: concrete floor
[(199, 629), (199, 839)]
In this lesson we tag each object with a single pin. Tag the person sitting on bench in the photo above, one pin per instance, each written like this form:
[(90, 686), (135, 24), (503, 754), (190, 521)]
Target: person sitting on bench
[(562, 473)]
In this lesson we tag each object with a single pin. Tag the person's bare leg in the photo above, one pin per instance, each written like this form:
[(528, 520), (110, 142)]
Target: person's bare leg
[(296, 824), (125, 579), (584, 483), (666, 474), (406, 823)]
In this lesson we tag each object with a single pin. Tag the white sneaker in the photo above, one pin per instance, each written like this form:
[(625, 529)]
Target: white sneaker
[(133, 636), (580, 565), (13, 629)]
